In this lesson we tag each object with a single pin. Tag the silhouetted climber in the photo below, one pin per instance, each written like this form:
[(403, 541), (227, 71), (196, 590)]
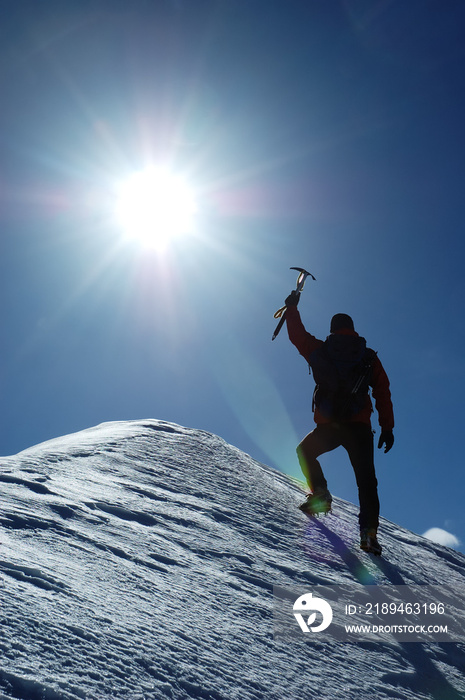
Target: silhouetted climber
[(344, 370)]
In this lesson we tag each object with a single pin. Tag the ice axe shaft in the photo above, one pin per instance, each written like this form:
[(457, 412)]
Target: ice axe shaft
[(281, 313)]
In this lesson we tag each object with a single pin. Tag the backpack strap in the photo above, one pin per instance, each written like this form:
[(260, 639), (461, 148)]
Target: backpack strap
[(367, 364)]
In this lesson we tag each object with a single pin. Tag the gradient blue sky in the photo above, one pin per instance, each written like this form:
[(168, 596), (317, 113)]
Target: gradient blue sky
[(328, 135)]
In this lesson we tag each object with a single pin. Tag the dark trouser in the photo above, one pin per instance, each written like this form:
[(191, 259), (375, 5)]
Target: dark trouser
[(357, 439)]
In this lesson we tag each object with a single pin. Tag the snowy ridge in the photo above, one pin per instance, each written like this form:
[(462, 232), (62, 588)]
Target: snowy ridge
[(137, 561)]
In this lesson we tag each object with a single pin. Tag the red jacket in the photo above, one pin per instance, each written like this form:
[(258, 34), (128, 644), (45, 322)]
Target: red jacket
[(306, 343)]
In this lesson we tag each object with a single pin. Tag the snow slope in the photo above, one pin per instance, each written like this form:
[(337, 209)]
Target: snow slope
[(138, 560)]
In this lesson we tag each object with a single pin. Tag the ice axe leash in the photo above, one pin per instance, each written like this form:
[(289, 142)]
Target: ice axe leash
[(281, 313)]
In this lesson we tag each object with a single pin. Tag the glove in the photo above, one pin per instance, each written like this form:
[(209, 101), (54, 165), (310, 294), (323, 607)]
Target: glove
[(387, 439), (293, 298)]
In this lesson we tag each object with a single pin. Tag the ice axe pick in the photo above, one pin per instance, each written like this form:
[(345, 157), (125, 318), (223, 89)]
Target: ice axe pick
[(281, 313)]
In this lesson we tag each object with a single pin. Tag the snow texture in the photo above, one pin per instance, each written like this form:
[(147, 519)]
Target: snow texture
[(138, 560)]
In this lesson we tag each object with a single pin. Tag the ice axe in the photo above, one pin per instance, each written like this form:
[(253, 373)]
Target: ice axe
[(281, 313)]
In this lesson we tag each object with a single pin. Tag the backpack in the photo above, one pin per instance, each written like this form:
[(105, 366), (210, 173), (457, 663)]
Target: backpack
[(342, 369)]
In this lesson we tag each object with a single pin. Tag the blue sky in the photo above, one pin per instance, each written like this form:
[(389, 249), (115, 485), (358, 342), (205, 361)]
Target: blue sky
[(323, 135)]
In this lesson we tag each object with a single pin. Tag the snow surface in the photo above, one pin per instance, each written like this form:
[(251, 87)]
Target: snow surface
[(138, 560)]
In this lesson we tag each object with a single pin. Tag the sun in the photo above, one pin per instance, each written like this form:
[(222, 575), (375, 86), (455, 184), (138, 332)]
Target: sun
[(154, 206)]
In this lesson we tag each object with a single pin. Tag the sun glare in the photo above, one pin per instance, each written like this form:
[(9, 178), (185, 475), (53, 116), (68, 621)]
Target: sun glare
[(154, 206)]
